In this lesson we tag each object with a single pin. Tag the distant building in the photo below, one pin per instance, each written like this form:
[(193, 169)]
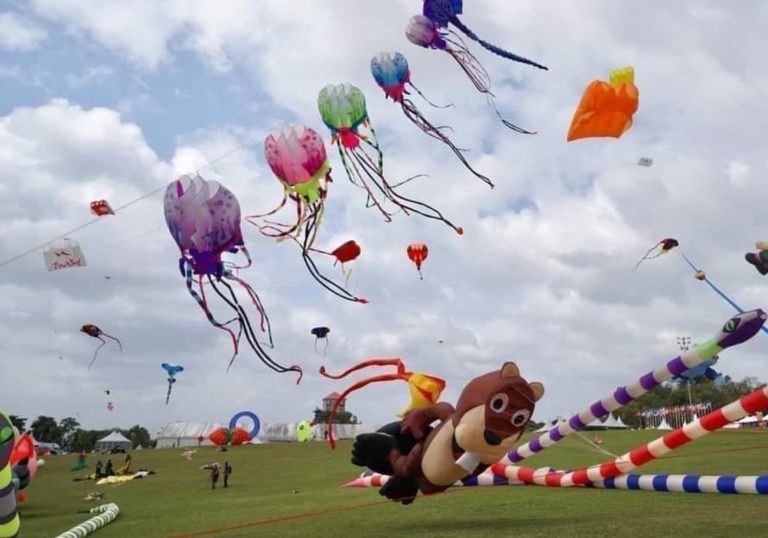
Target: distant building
[(330, 400)]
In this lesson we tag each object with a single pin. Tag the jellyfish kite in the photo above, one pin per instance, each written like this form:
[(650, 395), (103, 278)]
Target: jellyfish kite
[(431, 31), (662, 247), (444, 12), (171, 370), (95, 332), (343, 110), (417, 253), (203, 218), (297, 157), (606, 108), (321, 333), (392, 74), (424, 389)]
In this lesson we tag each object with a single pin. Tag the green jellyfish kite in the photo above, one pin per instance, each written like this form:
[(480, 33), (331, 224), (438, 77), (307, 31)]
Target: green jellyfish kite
[(342, 108)]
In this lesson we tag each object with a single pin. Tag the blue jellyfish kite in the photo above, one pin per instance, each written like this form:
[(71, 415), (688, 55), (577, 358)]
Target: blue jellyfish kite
[(392, 74), (172, 370)]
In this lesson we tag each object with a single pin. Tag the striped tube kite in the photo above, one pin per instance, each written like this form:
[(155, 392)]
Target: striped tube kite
[(343, 110), (105, 514), (203, 218), (9, 514), (392, 74), (296, 154), (606, 108)]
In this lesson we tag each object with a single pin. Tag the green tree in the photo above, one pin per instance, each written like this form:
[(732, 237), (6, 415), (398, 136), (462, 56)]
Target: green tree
[(345, 417), (67, 428), (45, 430), (139, 436), (17, 421)]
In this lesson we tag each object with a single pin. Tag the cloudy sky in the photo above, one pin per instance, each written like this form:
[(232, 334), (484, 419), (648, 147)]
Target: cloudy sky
[(114, 100)]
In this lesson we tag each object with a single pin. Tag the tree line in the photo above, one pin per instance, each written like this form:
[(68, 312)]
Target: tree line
[(68, 434), (675, 393)]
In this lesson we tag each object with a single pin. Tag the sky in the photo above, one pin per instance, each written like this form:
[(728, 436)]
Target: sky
[(113, 100)]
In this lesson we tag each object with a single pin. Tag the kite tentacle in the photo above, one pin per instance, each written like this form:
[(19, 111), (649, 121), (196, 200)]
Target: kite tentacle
[(202, 303), (365, 364), (249, 334), (359, 385), (324, 281), (508, 124), (256, 300), (278, 208), (470, 65), (413, 114), (491, 47), (449, 105), (96, 351), (408, 204)]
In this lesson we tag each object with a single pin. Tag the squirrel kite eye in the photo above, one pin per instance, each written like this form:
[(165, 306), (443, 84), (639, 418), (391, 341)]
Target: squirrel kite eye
[(521, 417), (499, 402)]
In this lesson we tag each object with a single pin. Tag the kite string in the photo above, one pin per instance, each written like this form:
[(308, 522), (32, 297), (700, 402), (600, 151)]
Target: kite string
[(97, 219)]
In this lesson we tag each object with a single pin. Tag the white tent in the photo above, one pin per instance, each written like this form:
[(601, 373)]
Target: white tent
[(664, 425), (114, 439), (185, 434), (613, 424)]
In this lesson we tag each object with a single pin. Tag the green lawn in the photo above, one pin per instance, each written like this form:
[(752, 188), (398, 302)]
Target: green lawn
[(178, 501)]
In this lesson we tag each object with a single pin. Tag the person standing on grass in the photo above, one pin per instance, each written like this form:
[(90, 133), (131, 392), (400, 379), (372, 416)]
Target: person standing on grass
[(227, 472), (214, 475)]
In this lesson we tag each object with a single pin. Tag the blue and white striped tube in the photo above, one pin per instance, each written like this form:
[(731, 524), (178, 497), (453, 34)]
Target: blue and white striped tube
[(736, 330), (681, 483)]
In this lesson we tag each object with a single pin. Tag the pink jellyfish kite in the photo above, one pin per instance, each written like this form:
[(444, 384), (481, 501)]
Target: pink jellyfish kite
[(204, 220), (297, 156)]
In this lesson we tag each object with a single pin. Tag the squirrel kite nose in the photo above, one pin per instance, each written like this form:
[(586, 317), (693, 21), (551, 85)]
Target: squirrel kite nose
[(491, 438)]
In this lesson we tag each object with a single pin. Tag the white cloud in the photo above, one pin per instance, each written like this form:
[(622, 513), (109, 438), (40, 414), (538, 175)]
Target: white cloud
[(550, 287), (19, 33)]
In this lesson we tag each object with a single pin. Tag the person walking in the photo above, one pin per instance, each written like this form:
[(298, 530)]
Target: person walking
[(227, 472), (214, 475)]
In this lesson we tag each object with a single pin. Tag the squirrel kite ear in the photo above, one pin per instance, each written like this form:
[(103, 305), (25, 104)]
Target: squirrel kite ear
[(538, 390), (509, 369)]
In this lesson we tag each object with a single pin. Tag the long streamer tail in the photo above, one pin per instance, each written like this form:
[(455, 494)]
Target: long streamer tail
[(249, 333), (493, 48), (96, 351), (413, 114)]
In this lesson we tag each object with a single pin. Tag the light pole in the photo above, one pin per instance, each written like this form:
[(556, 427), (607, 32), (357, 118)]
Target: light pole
[(685, 344)]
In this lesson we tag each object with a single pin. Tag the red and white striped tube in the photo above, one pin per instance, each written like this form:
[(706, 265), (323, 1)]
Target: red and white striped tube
[(746, 405)]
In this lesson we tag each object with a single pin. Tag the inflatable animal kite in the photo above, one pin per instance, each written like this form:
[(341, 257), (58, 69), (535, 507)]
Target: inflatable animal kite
[(321, 333), (171, 370), (203, 218), (490, 416), (95, 332), (759, 259), (343, 110), (606, 108), (392, 74), (417, 253)]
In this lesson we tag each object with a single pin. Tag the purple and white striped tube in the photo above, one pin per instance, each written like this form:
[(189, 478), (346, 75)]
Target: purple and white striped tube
[(735, 331), (376, 480), (681, 483)]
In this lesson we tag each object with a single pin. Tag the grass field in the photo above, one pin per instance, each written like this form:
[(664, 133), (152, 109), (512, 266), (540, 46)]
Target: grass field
[(178, 501)]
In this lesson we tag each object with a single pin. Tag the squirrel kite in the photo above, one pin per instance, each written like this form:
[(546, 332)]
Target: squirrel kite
[(490, 416)]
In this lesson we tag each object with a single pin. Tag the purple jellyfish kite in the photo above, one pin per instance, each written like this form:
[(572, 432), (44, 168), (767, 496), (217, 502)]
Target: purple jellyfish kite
[(204, 220), (431, 30)]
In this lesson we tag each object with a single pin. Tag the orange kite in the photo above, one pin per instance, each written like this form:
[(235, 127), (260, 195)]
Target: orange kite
[(606, 108)]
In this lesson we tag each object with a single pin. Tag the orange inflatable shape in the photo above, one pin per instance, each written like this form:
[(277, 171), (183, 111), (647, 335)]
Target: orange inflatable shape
[(606, 108)]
